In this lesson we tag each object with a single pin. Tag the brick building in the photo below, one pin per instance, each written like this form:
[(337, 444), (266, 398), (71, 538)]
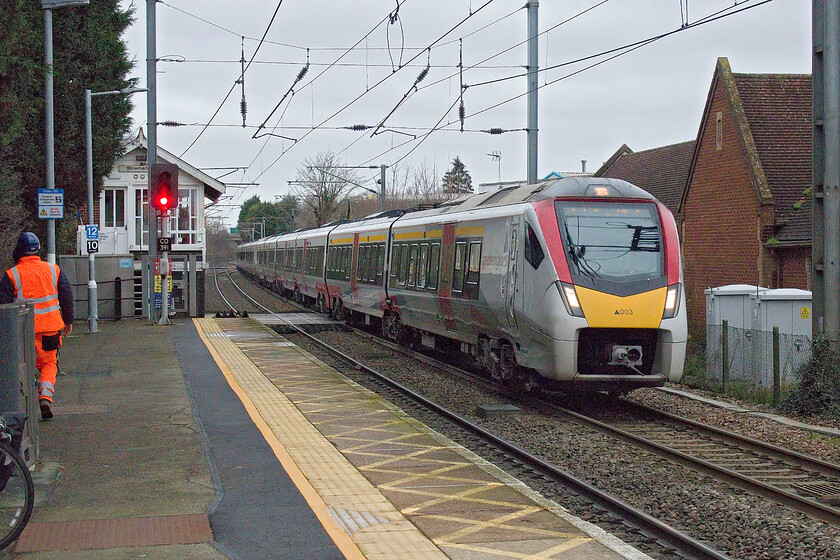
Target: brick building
[(740, 190), (660, 171), (745, 213)]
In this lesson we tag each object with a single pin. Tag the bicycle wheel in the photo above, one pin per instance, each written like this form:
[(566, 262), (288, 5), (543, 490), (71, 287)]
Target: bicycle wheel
[(17, 497)]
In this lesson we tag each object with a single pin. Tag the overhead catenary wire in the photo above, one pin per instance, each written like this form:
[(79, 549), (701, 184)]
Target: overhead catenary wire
[(726, 12), (268, 27), (354, 100), (439, 127)]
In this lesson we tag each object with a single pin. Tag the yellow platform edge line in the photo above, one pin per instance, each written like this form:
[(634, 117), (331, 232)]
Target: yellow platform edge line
[(342, 540)]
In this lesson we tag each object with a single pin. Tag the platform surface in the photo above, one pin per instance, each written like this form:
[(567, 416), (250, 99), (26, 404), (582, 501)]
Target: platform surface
[(391, 486)]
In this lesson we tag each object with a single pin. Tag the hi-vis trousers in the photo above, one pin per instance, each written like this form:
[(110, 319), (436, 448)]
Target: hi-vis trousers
[(47, 363)]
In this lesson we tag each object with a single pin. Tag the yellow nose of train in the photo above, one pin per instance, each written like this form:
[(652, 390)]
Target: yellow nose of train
[(639, 311)]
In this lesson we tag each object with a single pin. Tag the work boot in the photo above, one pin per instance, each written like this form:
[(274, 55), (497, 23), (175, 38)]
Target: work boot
[(46, 413)]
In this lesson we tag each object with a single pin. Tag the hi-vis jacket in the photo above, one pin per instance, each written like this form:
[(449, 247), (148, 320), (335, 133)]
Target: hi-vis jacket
[(43, 284)]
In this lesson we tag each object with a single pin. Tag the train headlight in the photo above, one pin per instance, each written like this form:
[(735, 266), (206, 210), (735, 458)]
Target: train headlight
[(570, 299), (672, 302)]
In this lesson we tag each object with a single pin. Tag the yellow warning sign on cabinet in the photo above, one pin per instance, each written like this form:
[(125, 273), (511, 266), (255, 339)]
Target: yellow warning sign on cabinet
[(158, 283), (805, 313)]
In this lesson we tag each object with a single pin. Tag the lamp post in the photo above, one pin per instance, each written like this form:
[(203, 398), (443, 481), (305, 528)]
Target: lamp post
[(93, 303), (49, 122)]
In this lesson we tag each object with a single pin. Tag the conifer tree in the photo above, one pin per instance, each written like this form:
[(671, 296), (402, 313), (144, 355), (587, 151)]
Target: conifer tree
[(457, 180), (87, 54)]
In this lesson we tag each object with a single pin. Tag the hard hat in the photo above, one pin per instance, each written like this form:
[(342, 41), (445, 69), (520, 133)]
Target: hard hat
[(27, 244)]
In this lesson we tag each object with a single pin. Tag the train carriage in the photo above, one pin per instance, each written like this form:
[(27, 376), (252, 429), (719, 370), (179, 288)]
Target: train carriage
[(310, 286), (574, 281), (356, 265)]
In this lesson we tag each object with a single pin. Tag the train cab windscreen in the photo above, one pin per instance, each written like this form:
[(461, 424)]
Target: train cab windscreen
[(611, 242)]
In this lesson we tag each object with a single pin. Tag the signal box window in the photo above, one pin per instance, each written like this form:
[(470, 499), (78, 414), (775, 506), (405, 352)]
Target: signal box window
[(114, 208), (141, 219), (533, 250), (458, 268)]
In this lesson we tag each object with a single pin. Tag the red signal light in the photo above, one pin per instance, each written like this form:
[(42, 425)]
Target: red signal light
[(164, 188)]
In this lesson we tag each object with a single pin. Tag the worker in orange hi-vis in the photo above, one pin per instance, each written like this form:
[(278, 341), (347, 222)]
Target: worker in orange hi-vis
[(44, 285)]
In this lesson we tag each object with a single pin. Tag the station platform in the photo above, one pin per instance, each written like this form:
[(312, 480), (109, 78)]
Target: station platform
[(218, 438)]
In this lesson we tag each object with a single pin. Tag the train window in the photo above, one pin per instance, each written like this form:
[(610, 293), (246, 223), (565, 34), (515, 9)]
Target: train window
[(403, 264), (458, 268), (348, 252), (395, 260), (618, 242), (422, 267), (533, 250), (412, 265), (434, 266), (473, 270), (475, 263), (380, 264), (364, 263)]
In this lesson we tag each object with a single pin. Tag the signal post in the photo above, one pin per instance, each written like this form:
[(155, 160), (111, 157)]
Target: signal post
[(163, 197)]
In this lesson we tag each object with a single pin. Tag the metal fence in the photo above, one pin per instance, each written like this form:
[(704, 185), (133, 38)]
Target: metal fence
[(754, 357), (109, 307)]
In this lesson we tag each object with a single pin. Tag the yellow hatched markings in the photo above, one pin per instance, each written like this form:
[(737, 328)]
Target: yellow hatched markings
[(437, 491), (500, 522), (309, 459), (547, 554)]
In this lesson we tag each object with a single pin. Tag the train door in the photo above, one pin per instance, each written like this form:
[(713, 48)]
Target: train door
[(510, 284), (447, 257)]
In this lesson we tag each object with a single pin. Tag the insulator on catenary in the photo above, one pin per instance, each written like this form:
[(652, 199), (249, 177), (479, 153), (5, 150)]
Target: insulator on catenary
[(358, 127), (243, 107), (302, 73), (170, 123), (422, 75), (462, 112), (496, 131)]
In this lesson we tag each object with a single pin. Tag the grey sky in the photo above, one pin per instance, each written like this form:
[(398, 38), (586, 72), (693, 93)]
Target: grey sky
[(650, 97)]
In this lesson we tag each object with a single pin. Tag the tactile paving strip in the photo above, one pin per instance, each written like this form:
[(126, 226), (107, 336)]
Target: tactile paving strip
[(413, 478)]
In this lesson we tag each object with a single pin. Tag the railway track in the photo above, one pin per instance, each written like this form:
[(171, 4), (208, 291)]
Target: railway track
[(794, 480), (651, 531)]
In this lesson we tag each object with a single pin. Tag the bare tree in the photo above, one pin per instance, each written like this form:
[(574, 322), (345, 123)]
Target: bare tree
[(425, 184), (323, 185)]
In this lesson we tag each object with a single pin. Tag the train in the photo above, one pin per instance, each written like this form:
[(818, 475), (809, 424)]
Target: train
[(573, 283)]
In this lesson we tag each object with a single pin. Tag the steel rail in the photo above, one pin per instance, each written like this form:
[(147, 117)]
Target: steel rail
[(787, 455), (814, 509), (219, 289), (644, 522)]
